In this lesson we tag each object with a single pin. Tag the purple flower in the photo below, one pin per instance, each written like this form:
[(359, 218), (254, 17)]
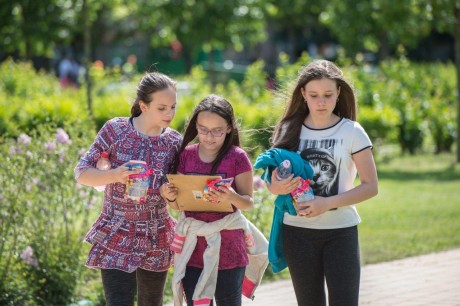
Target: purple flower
[(15, 150), (258, 183), (28, 256), (50, 146), (62, 137), (24, 139)]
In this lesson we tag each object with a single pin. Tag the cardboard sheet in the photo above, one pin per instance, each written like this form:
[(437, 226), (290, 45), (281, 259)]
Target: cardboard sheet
[(190, 195)]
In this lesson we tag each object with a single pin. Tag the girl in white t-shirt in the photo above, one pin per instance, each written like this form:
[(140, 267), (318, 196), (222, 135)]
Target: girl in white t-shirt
[(321, 242)]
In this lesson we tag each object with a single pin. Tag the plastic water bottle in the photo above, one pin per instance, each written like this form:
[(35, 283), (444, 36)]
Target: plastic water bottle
[(138, 184), (303, 193), (103, 164), (284, 170)]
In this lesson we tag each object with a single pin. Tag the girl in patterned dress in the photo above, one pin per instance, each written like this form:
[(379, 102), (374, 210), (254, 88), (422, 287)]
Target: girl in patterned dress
[(216, 153), (131, 239)]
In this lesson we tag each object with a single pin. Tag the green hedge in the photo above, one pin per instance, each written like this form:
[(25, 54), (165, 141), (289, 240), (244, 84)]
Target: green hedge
[(409, 104)]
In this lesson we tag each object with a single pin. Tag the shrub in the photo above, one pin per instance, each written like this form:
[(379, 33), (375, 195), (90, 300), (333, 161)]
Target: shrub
[(398, 101), (29, 98), (44, 215)]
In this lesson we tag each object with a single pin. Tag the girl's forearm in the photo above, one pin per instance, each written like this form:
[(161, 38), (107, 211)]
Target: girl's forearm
[(243, 202), (360, 193), (94, 177)]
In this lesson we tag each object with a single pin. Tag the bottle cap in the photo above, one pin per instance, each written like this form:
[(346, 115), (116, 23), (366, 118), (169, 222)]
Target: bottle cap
[(286, 163), (284, 169), (105, 154)]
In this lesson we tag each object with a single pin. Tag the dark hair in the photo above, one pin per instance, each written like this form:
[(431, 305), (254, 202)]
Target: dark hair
[(220, 106), (287, 131), (149, 84)]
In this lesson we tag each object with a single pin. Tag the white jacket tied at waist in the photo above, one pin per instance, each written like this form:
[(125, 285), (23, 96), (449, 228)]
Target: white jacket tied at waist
[(184, 244)]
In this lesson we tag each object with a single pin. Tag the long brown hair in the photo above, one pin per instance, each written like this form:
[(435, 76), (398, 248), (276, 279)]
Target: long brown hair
[(220, 106), (287, 130)]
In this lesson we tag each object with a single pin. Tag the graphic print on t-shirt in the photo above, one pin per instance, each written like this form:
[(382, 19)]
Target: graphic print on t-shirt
[(320, 155)]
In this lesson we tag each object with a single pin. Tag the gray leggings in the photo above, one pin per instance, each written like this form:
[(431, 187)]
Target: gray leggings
[(120, 287), (314, 256)]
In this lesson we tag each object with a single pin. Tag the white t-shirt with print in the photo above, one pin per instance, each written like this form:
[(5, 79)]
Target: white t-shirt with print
[(329, 151)]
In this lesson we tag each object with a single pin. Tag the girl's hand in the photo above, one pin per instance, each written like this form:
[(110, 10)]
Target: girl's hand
[(313, 208), (285, 186), (122, 173), (222, 194), (169, 192)]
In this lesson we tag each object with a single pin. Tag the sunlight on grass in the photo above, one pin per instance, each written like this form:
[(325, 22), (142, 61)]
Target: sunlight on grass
[(417, 210)]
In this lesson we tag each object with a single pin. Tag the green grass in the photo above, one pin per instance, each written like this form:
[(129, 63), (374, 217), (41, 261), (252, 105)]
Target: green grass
[(417, 210)]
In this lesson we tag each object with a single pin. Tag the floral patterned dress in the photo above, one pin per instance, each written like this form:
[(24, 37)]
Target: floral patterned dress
[(129, 234)]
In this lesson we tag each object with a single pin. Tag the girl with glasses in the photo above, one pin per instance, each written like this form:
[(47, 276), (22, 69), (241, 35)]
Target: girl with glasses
[(216, 152)]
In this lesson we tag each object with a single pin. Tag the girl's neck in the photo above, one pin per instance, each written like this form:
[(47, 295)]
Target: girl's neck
[(143, 127), (205, 155), (321, 123)]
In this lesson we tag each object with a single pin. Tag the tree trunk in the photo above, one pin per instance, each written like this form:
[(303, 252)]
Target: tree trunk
[(87, 55), (384, 50), (293, 43), (212, 69), (186, 53), (457, 68), (27, 49)]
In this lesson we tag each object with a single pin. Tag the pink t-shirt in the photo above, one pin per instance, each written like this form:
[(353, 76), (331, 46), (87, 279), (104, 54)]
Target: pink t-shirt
[(232, 249)]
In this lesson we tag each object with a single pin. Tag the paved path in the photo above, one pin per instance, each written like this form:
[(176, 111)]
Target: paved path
[(427, 280), (431, 280)]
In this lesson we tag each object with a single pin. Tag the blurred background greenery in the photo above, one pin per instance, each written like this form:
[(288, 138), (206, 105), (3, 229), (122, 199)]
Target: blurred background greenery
[(400, 56)]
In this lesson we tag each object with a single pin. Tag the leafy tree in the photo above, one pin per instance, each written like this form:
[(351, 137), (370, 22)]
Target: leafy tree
[(294, 18), (377, 25), (31, 28), (207, 25), (380, 25), (445, 17)]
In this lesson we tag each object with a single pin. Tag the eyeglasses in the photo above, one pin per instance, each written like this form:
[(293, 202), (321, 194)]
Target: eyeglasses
[(214, 132)]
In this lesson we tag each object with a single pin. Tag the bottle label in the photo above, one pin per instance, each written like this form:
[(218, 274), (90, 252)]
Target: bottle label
[(215, 184), (303, 193), (138, 184)]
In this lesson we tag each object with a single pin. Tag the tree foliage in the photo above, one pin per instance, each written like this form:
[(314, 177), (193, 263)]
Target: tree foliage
[(203, 25), (377, 25), (442, 14), (293, 17), (32, 28)]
